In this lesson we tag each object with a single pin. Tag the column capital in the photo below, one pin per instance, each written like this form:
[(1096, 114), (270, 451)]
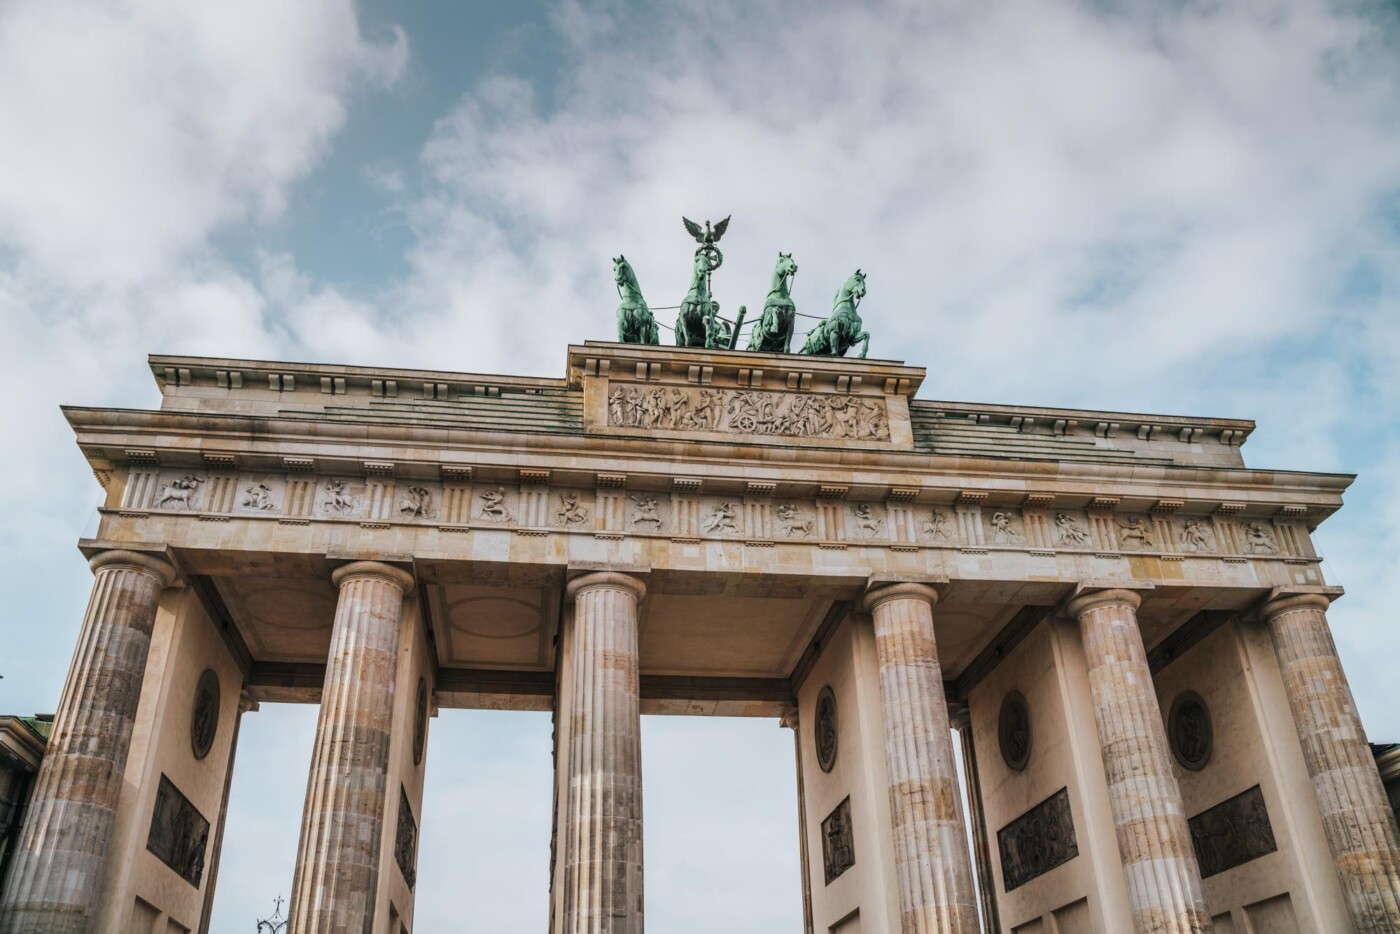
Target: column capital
[(375, 569), (606, 580), (155, 566), (789, 719), (1097, 598), (1294, 601), (906, 590)]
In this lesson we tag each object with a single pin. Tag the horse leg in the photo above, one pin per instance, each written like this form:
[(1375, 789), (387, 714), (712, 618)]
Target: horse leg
[(865, 348)]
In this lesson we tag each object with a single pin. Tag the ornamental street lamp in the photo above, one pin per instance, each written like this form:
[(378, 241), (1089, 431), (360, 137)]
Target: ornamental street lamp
[(276, 924)]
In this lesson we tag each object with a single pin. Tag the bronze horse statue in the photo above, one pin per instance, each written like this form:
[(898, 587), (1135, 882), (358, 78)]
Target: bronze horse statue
[(635, 323), (695, 323), (843, 329), (773, 332)]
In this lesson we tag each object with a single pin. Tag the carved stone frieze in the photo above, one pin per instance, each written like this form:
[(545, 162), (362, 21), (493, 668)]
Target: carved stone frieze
[(1197, 535), (645, 514), (492, 506), (417, 503), (1232, 833), (179, 834), (1037, 841), (1136, 533), (838, 842), (868, 523), (1006, 526), (258, 496), (1070, 532), (795, 522), (749, 412), (180, 493)]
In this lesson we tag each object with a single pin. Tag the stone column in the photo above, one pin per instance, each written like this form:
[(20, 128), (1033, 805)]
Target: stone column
[(981, 849), (1164, 880), (790, 722), (603, 834), (1356, 815), (246, 704), (62, 854), (930, 843), (337, 869)]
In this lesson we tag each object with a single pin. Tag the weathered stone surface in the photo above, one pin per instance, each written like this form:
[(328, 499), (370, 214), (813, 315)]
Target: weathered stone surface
[(59, 863), (1356, 814), (931, 856), (1164, 881), (337, 868), (603, 835)]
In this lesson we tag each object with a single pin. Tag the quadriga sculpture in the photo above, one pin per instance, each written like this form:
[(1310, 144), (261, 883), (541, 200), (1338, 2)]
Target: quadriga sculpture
[(843, 329), (635, 323), (694, 323), (773, 332)]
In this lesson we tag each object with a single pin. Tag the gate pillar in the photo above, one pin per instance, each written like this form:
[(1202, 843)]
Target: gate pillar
[(930, 843), (1356, 814), (338, 860), (1163, 878), (602, 811)]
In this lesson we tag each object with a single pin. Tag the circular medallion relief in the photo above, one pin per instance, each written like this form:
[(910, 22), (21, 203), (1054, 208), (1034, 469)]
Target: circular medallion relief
[(826, 728), (1014, 730), (1189, 731), (204, 717), (420, 722)]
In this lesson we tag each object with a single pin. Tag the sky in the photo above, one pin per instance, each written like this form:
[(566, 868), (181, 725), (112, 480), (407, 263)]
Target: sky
[(1182, 207)]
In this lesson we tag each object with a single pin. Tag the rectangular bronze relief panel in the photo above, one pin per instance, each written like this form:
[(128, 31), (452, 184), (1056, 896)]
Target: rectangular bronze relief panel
[(406, 841), (838, 845), (179, 833), (1232, 833), (1037, 841)]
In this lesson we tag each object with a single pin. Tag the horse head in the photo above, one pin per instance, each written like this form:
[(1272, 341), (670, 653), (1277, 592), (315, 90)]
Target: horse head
[(623, 274), (853, 289), (783, 271)]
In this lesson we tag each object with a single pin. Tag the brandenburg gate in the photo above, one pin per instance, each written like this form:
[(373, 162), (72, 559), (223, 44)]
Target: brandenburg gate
[(1095, 638)]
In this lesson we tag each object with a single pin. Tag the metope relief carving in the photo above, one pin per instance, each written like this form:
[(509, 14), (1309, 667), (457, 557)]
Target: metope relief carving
[(838, 842), (749, 411), (721, 518), (339, 499), (417, 503), (1136, 532), (204, 714), (868, 524), (825, 729), (406, 841), (179, 834), (258, 496), (794, 523), (1196, 535), (938, 525), (180, 493), (645, 513), (493, 506), (1069, 532), (1232, 833), (1258, 540), (1004, 529), (1037, 841), (571, 512)]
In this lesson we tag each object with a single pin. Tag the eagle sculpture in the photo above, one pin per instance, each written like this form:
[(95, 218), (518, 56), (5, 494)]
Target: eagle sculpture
[(706, 237)]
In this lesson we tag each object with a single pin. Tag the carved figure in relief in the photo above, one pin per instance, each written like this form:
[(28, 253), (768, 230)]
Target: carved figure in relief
[(635, 323), (258, 496), (1002, 531), (339, 499), (866, 520), (792, 522), (493, 505), (750, 411), (702, 416), (938, 526), (617, 406), (570, 512), (1069, 531), (1136, 531), (180, 492), (720, 519), (1196, 536), (1258, 541), (417, 503), (634, 406), (773, 333), (646, 512), (843, 329)]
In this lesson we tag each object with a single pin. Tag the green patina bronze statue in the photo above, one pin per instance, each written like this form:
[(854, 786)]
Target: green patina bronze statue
[(838, 333), (695, 324), (773, 332), (635, 323)]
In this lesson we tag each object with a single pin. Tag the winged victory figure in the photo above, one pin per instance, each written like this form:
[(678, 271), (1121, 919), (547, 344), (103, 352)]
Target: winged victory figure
[(707, 236)]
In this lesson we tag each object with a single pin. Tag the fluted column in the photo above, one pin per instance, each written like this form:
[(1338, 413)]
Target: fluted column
[(62, 854), (1164, 880), (1356, 815), (603, 836), (930, 844), (342, 824)]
